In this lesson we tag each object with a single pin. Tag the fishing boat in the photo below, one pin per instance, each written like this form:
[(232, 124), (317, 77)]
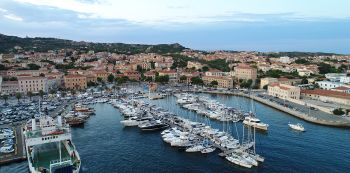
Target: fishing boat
[(297, 126)]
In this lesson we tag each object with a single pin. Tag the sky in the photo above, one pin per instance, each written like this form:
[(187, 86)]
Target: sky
[(247, 25)]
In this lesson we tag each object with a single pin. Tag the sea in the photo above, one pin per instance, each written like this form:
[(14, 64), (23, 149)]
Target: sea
[(106, 146)]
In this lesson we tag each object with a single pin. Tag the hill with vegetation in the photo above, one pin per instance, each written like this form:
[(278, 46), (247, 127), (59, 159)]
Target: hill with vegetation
[(13, 44)]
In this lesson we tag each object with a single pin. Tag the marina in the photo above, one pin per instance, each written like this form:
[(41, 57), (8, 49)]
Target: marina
[(129, 149), (191, 136)]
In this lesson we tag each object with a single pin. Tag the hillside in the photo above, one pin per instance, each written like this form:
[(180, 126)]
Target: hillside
[(38, 44)]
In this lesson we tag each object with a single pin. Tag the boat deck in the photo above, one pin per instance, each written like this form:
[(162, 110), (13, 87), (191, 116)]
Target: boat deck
[(47, 153)]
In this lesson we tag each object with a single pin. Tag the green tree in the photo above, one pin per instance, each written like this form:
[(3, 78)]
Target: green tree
[(139, 68), (205, 69), (183, 78), (265, 87), (99, 80), (304, 80), (5, 97), (73, 92), (63, 94), (338, 111), (53, 91), (30, 95), (197, 81), (326, 68), (18, 96), (110, 78), (33, 67), (41, 94), (162, 79), (214, 83), (149, 79), (2, 67)]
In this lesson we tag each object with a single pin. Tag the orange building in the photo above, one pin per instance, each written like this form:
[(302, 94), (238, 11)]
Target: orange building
[(75, 82)]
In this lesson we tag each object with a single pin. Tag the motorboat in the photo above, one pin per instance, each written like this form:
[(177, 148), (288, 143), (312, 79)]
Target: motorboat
[(297, 126), (195, 148), (255, 122)]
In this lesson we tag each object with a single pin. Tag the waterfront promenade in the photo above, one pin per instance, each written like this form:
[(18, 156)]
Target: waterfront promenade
[(314, 116)]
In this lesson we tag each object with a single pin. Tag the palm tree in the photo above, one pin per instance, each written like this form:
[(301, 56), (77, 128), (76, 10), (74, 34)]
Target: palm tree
[(92, 91), (30, 95), (41, 94), (100, 88), (5, 97), (63, 94), (73, 92), (114, 87), (18, 96)]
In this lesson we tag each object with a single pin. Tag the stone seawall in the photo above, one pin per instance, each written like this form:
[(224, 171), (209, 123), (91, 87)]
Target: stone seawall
[(306, 117)]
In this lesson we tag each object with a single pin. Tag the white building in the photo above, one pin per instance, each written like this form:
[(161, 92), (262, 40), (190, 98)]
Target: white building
[(304, 72), (327, 85), (284, 91), (285, 60)]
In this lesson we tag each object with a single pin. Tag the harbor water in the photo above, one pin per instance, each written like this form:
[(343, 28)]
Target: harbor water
[(105, 145)]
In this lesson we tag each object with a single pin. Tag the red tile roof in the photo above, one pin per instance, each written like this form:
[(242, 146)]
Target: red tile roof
[(341, 88), (327, 93)]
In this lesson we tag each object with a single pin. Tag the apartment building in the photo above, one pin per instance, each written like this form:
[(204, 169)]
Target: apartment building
[(245, 72), (75, 82), (223, 82), (32, 84), (9, 87), (284, 91)]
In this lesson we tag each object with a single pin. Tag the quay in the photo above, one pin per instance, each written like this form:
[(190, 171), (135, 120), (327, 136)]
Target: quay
[(19, 154), (322, 119)]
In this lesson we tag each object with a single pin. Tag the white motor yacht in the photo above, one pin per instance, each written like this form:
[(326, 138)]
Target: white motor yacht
[(298, 127), (255, 122)]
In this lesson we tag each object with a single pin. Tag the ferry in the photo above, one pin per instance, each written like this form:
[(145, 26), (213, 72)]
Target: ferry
[(49, 146)]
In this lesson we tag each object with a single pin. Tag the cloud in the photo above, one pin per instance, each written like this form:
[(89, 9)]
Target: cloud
[(13, 17), (163, 12), (6, 14)]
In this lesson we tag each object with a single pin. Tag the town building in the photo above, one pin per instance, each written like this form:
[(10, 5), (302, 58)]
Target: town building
[(75, 82), (327, 85), (132, 75), (327, 96), (267, 81), (9, 87), (195, 65), (284, 91), (173, 77), (285, 60), (150, 74), (223, 81), (215, 72), (245, 72), (101, 74), (344, 89), (32, 84)]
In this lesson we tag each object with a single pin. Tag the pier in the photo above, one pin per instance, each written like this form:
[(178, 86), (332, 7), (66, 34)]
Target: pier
[(330, 120), (19, 154)]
